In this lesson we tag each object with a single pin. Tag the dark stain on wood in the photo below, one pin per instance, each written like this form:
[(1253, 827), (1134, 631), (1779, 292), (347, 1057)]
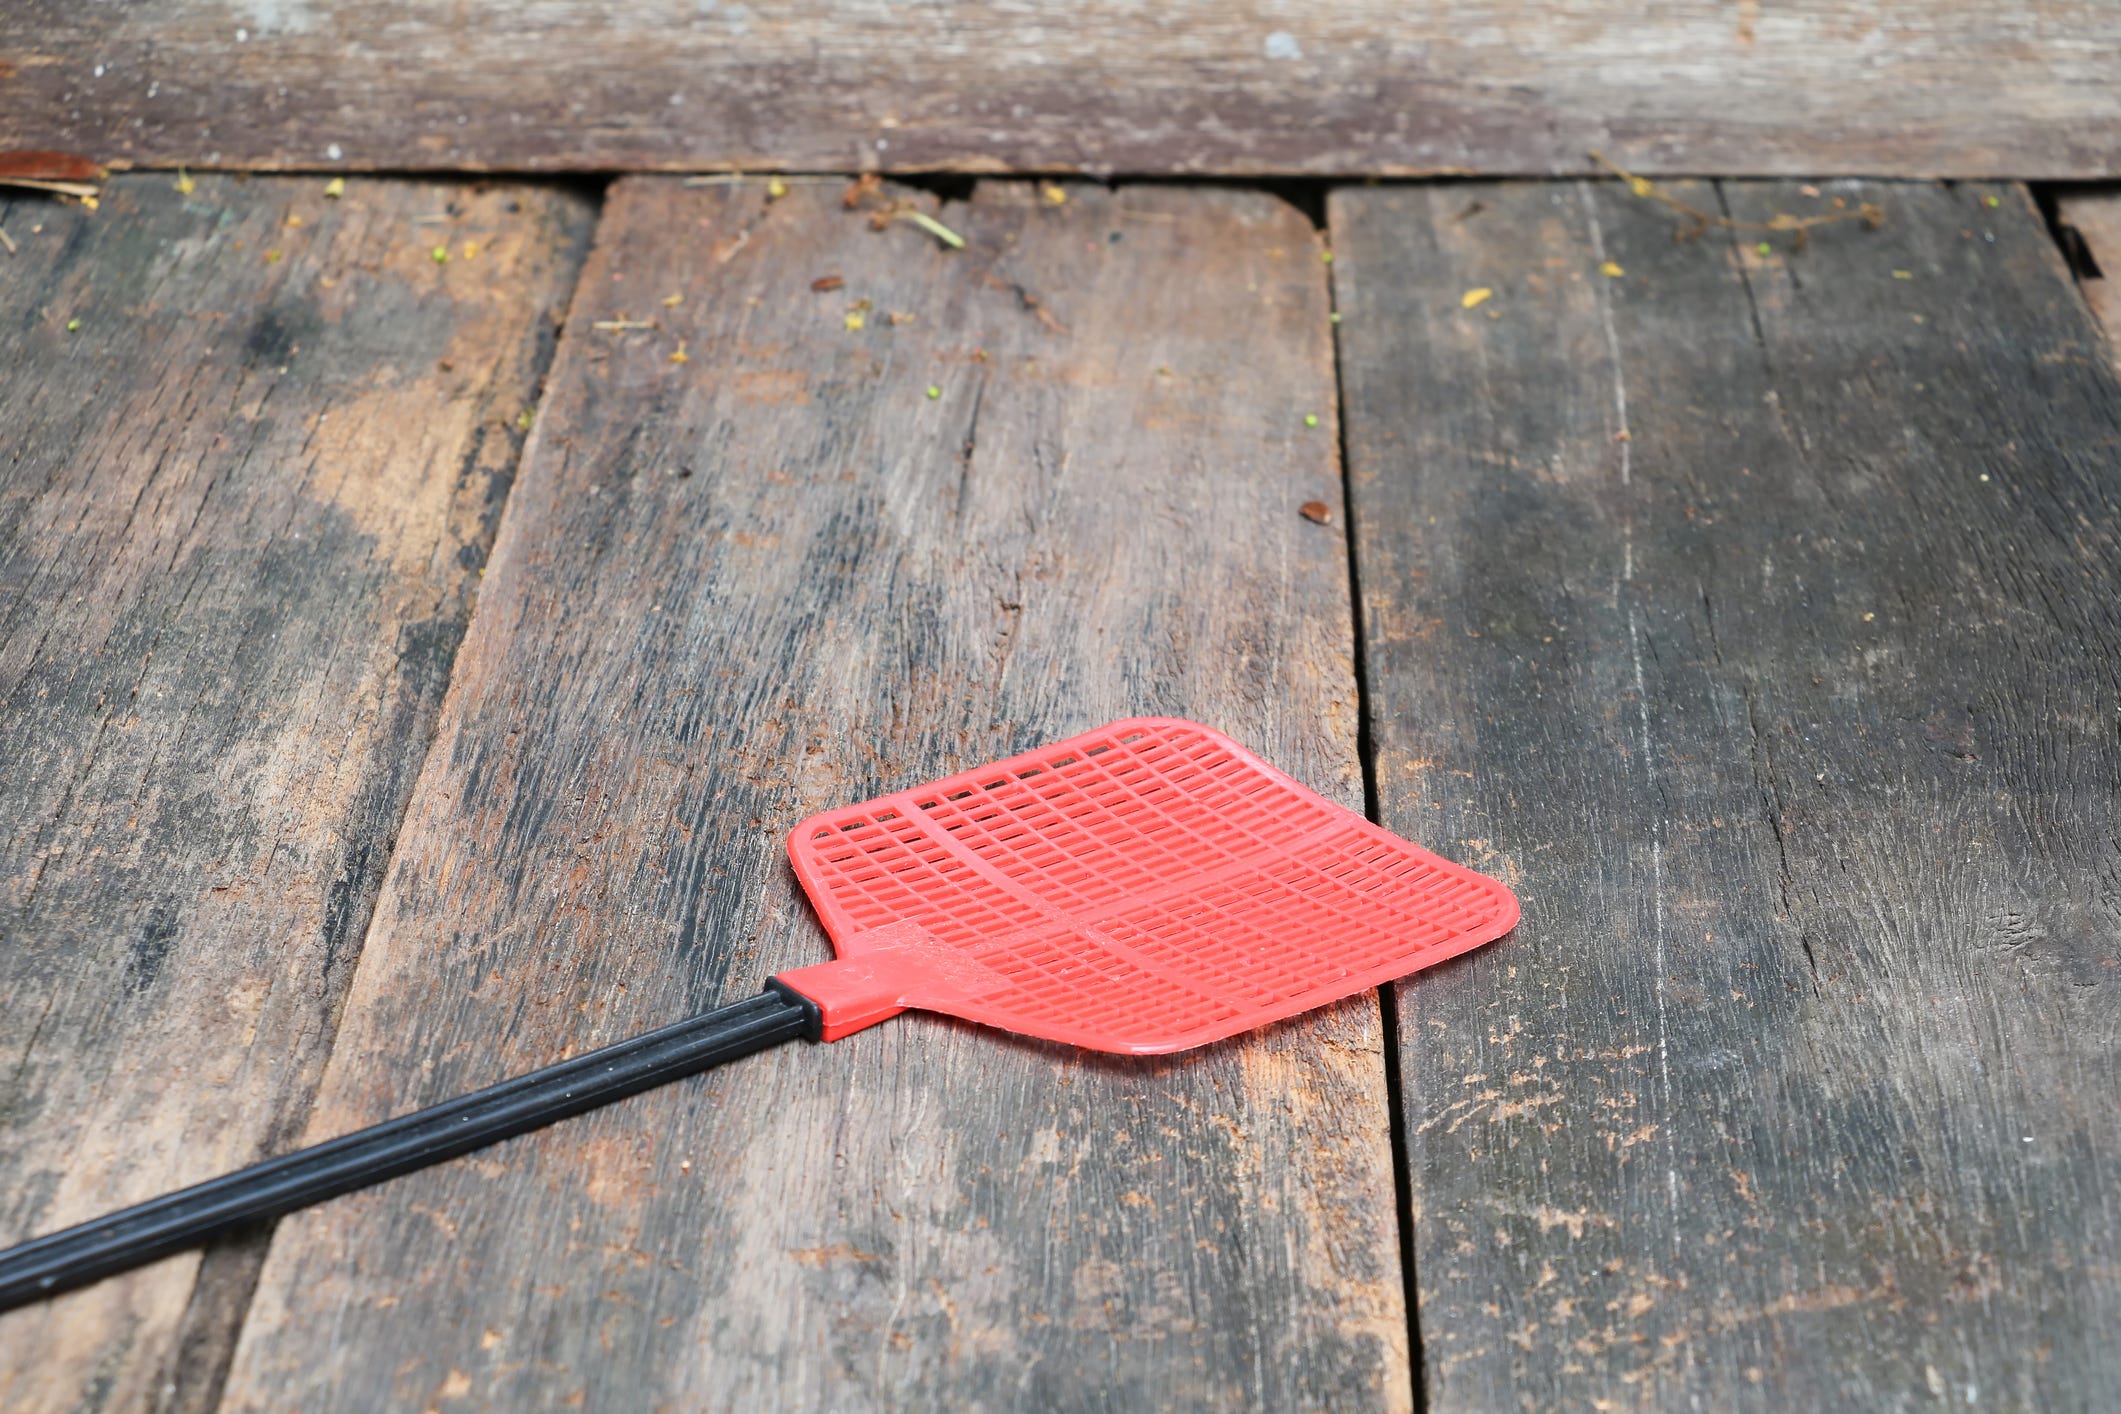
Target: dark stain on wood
[(235, 503), (143, 964), (733, 591), (1752, 613)]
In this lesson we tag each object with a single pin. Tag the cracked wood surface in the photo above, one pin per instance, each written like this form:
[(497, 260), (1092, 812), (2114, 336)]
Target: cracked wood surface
[(2097, 219), (782, 575), (242, 511), (1753, 615), (1357, 87)]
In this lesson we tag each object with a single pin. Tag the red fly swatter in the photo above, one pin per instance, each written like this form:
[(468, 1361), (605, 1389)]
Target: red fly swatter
[(1146, 887), (1142, 888)]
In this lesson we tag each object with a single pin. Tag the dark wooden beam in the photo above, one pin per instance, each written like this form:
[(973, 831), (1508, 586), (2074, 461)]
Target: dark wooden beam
[(1959, 88)]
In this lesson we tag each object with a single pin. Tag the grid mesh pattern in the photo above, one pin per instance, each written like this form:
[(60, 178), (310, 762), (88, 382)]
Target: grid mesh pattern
[(1148, 886)]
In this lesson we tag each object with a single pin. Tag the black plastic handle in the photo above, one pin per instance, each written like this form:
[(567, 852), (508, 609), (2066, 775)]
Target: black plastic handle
[(76, 1256)]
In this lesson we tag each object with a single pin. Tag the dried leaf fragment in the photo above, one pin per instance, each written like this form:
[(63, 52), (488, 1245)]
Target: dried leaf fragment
[(860, 190), (826, 282), (1476, 296), (1611, 270), (184, 185), (49, 167), (335, 188)]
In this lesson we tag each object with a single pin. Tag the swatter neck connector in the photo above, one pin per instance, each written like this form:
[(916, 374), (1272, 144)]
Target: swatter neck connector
[(813, 1014), (847, 994), (880, 972)]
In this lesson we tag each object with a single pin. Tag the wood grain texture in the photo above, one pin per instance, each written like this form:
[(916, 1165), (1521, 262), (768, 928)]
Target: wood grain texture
[(2098, 221), (1752, 613), (1053, 479), (242, 514), (1878, 87)]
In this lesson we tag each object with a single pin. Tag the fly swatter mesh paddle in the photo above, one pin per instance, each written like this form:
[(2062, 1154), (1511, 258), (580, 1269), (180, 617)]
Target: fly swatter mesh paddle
[(1145, 887)]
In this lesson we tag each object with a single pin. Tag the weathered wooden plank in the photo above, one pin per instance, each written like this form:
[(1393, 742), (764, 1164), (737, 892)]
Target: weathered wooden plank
[(2098, 221), (256, 443), (1751, 612), (1033, 491), (1878, 87)]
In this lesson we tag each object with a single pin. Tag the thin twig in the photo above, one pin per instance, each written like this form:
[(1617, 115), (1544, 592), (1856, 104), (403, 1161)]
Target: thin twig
[(7, 240), (737, 179), (614, 326), (87, 191), (882, 213), (933, 227), (1868, 214)]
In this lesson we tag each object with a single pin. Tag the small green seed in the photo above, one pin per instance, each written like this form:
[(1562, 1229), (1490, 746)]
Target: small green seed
[(934, 392), (72, 325), (1310, 419), (1764, 248)]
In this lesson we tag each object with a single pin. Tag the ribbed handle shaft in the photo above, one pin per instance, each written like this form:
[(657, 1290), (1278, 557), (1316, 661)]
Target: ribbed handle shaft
[(79, 1255)]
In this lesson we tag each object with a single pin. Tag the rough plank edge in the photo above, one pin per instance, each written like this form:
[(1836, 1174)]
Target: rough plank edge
[(2096, 218)]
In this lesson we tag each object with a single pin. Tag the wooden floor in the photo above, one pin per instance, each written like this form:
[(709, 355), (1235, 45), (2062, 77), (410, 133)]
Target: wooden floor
[(425, 609)]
